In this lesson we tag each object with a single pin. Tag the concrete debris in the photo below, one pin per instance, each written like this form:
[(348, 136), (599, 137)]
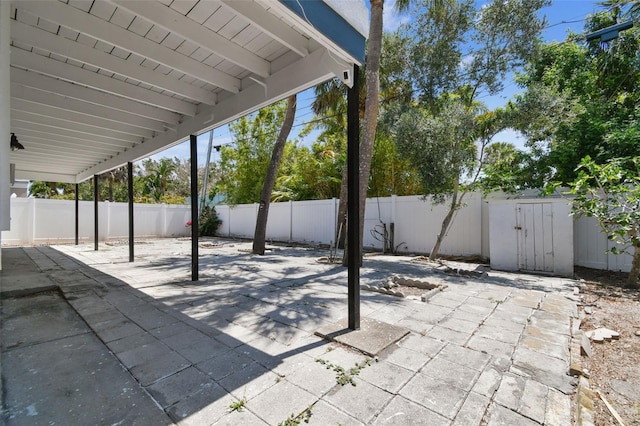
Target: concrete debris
[(601, 334)]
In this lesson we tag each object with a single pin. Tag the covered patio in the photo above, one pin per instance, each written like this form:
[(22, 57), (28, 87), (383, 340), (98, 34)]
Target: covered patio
[(88, 86)]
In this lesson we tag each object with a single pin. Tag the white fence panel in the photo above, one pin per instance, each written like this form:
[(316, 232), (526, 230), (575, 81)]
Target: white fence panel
[(42, 221), (224, 214), (314, 221), (53, 220), (279, 222), (591, 245), (418, 224), (21, 221), (175, 221), (117, 219), (85, 220), (243, 222), (378, 216)]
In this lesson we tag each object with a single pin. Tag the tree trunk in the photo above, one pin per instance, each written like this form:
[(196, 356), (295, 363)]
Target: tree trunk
[(110, 179), (372, 85), (270, 180), (446, 221), (634, 273)]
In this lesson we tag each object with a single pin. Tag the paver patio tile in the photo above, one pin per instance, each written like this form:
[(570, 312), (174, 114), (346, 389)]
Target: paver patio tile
[(244, 418), (415, 325), (534, 401), (178, 386), (548, 348), (144, 353), (447, 335), (488, 382), (158, 368), (343, 357), (495, 321), (312, 377), (362, 401), (473, 410), (131, 342), (249, 382), (500, 416), (170, 330), (491, 346), (558, 410), (117, 329), (461, 325), (510, 392), (275, 404), (452, 374), (202, 408), (401, 412), (431, 314), (225, 364), (512, 314), (325, 414), (423, 344), (434, 394), (501, 334), (386, 375), (547, 370), (465, 356), (407, 358)]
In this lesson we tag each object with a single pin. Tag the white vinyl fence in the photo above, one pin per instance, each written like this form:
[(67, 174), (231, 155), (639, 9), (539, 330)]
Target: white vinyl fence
[(41, 221), (415, 222), (410, 224)]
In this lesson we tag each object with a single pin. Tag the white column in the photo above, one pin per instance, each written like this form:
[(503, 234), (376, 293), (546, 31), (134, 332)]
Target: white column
[(5, 119)]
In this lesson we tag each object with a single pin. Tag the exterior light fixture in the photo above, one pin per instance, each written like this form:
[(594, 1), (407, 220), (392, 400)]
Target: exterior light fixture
[(14, 143)]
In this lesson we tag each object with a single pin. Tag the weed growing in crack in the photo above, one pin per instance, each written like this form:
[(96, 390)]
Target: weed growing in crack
[(305, 416), (343, 376), (238, 405)]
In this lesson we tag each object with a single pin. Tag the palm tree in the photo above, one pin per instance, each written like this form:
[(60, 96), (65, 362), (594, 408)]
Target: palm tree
[(272, 172), (158, 176), (118, 175), (634, 7)]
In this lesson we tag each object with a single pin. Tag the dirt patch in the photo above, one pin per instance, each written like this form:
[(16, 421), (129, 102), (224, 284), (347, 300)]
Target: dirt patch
[(614, 366), (407, 287)]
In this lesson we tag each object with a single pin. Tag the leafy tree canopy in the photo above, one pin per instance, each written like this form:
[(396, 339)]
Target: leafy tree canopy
[(581, 99)]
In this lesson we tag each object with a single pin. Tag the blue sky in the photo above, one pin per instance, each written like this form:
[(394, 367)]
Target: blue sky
[(561, 15)]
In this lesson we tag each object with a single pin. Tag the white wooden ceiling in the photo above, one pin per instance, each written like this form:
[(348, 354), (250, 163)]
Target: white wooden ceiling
[(97, 83)]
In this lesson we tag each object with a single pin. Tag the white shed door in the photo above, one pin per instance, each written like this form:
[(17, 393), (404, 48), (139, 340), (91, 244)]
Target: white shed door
[(534, 226)]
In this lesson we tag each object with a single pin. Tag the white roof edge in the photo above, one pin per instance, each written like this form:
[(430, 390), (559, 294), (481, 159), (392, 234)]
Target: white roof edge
[(355, 12)]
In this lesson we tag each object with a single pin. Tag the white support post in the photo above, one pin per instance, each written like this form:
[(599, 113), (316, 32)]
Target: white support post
[(5, 119)]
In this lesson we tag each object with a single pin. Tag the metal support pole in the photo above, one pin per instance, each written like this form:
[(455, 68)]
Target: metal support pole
[(353, 204), (130, 190), (77, 220), (194, 207), (95, 212)]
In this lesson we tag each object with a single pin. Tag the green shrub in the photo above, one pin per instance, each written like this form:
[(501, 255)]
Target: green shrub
[(208, 222)]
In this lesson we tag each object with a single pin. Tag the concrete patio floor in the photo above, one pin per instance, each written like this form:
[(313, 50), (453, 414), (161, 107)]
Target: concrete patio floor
[(89, 338)]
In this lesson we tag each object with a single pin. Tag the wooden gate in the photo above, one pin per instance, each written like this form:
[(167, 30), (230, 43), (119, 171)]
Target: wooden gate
[(534, 226)]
